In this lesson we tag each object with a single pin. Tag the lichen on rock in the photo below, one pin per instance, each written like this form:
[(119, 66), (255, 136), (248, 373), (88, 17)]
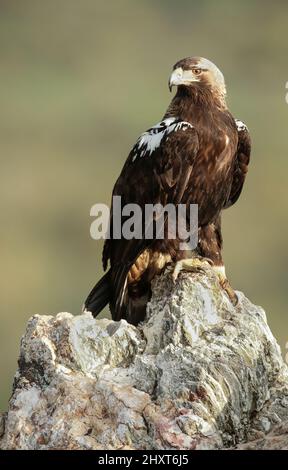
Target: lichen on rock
[(198, 373)]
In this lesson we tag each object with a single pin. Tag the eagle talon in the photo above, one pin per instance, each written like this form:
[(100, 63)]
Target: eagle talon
[(194, 265), (225, 284)]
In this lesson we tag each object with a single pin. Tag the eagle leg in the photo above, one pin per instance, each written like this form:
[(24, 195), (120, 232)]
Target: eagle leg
[(195, 265)]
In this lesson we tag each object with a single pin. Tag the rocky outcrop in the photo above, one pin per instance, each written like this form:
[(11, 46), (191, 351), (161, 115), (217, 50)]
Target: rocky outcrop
[(199, 373)]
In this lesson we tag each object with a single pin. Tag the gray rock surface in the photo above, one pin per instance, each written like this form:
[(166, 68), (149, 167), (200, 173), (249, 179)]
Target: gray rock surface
[(197, 374)]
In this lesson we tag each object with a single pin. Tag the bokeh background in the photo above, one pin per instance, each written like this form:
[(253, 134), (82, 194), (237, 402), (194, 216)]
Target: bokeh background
[(79, 81)]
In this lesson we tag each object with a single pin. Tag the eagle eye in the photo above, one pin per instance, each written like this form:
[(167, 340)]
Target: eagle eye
[(196, 71)]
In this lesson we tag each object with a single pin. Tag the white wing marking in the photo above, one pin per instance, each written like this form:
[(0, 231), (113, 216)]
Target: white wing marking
[(151, 139), (240, 125)]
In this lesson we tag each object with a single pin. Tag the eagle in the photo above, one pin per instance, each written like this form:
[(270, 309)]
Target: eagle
[(197, 154)]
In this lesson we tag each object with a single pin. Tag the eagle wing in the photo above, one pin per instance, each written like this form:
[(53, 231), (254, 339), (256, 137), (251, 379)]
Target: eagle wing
[(241, 163), (157, 170)]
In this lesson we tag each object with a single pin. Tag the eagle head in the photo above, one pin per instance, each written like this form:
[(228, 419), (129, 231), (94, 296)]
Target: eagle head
[(198, 72)]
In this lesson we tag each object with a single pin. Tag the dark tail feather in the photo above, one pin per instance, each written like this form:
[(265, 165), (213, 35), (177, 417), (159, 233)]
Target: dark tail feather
[(99, 296)]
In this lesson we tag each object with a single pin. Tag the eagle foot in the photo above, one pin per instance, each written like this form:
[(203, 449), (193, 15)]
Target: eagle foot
[(226, 286), (195, 265)]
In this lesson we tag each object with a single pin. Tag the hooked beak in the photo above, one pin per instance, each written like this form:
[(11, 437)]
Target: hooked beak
[(181, 77)]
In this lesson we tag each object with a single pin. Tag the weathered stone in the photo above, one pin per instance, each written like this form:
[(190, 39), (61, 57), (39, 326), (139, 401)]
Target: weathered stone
[(197, 374)]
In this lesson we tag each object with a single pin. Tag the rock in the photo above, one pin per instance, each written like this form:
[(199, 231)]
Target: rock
[(274, 440), (197, 374)]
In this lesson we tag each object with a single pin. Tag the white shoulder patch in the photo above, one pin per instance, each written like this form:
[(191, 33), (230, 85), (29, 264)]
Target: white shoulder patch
[(151, 139), (240, 125)]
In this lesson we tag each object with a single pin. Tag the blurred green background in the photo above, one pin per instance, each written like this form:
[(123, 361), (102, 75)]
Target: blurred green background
[(79, 81)]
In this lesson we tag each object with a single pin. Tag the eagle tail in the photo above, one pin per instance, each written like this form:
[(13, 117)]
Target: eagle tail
[(99, 296), (112, 289)]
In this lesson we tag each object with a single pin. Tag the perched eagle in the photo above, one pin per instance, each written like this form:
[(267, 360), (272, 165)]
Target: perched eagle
[(197, 154)]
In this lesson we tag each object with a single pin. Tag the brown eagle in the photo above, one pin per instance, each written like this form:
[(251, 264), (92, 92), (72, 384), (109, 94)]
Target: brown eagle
[(197, 154)]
